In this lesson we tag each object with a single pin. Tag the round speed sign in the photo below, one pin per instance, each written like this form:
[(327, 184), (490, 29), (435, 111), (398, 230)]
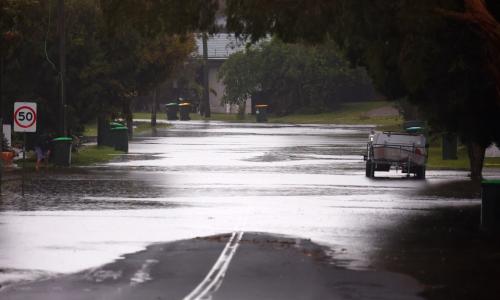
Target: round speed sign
[(25, 117)]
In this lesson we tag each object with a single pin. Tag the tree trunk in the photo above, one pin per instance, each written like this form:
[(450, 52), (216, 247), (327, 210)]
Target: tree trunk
[(153, 108), (102, 129), (476, 157), (205, 104), (62, 68), (1, 117), (241, 110), (303, 102), (127, 114)]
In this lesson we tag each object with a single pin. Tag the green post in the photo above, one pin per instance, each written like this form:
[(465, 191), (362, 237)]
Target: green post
[(24, 166)]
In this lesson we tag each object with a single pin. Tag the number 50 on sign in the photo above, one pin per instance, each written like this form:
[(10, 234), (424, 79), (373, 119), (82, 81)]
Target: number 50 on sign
[(25, 117)]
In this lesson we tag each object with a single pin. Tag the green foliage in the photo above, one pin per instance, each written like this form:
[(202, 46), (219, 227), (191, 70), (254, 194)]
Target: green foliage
[(347, 113), (167, 16), (410, 48), (461, 163), (293, 77), (240, 76), (105, 68)]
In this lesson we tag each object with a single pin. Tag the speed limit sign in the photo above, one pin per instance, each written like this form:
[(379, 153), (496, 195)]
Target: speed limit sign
[(25, 117)]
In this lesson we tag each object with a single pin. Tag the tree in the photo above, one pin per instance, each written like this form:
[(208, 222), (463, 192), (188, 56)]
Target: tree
[(105, 68), (478, 14), (411, 49), (151, 17), (293, 77), (168, 17)]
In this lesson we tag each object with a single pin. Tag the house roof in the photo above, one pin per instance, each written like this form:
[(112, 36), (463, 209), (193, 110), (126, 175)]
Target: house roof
[(220, 46)]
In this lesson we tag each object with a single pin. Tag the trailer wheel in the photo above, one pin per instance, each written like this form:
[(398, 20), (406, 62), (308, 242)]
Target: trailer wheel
[(421, 172), (370, 169)]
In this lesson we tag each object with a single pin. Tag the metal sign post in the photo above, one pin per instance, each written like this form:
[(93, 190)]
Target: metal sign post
[(25, 118), (24, 161)]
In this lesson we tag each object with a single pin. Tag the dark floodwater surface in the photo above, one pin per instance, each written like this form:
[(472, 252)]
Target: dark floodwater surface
[(197, 179)]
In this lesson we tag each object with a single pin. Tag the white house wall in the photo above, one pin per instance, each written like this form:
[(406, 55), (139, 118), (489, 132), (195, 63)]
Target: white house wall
[(217, 89)]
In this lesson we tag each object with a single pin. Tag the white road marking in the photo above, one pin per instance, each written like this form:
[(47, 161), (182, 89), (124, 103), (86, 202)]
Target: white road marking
[(211, 283), (100, 275), (143, 274)]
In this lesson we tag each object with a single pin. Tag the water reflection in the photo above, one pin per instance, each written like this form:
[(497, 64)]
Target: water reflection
[(204, 178)]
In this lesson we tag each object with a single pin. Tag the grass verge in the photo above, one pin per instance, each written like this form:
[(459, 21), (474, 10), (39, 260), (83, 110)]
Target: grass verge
[(349, 113), (86, 155), (436, 161), (197, 117), (140, 127), (89, 155), (91, 128)]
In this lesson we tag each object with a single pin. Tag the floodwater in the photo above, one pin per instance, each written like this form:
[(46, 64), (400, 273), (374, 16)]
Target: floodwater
[(203, 178)]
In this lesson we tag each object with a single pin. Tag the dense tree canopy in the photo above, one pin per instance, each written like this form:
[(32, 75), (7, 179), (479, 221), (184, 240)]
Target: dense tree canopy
[(413, 49), (166, 16), (442, 55), (294, 77), (105, 68)]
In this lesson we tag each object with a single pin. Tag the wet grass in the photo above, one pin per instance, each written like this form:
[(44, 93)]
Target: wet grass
[(226, 118), (147, 116), (86, 155), (91, 128), (146, 126), (197, 117), (436, 161), (89, 155), (349, 113)]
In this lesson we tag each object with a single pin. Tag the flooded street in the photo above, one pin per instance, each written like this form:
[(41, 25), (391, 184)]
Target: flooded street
[(200, 179)]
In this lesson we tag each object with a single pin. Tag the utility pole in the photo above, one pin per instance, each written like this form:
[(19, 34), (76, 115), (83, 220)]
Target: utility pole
[(206, 96), (62, 67), (1, 117), (153, 107), (1, 85)]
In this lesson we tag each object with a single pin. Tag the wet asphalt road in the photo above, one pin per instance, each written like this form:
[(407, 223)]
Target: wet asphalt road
[(202, 179), (263, 267)]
